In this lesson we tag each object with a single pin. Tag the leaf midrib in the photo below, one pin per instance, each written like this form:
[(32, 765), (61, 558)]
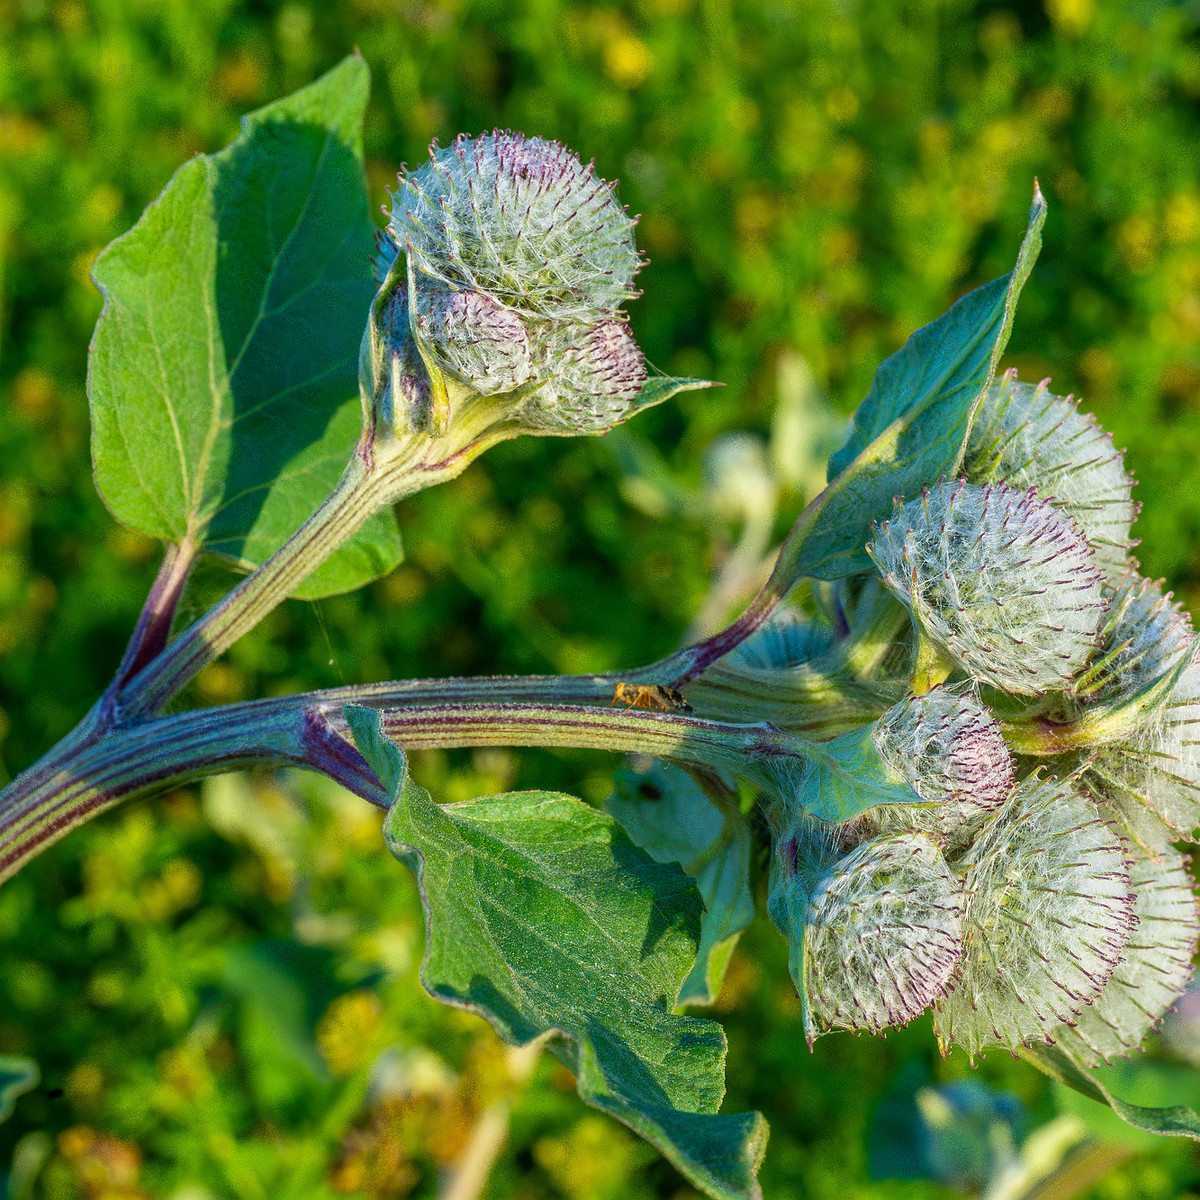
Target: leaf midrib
[(219, 424)]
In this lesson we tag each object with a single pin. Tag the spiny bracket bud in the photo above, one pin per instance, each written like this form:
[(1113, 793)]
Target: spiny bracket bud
[(1026, 436), (483, 343), (874, 936), (949, 749), (1155, 968), (1000, 582), (1048, 916), (1126, 721), (589, 375), (1158, 767), (522, 220), (513, 259), (1147, 642)]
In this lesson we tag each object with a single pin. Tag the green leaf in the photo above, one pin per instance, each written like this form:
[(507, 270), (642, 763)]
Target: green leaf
[(17, 1076), (846, 776), (951, 361), (665, 812), (547, 920), (658, 388), (223, 371), (913, 425), (1063, 1066)]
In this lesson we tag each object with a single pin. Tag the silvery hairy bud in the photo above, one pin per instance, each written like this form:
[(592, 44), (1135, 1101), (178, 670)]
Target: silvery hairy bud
[(512, 260), (948, 748), (1000, 583), (1027, 437), (874, 935), (1145, 686), (589, 375), (522, 220), (1156, 966), (482, 342), (1048, 916)]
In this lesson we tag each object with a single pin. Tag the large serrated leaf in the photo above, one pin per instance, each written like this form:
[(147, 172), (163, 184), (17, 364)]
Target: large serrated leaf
[(223, 370), (1061, 1064), (913, 425), (547, 920)]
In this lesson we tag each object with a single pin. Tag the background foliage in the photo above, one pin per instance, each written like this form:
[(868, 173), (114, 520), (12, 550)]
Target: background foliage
[(219, 986)]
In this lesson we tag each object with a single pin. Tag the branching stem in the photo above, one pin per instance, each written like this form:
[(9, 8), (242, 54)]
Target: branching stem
[(154, 625), (72, 785)]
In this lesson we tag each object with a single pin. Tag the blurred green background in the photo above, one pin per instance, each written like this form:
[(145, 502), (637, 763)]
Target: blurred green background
[(219, 986)]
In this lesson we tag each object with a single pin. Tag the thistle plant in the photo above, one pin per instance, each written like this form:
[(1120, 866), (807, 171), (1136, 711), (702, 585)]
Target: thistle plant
[(955, 721)]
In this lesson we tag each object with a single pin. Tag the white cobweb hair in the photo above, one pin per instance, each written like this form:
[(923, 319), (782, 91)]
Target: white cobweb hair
[(1148, 768), (1049, 912), (1026, 436), (947, 746), (482, 342), (522, 220), (882, 935), (590, 374), (1002, 582), (1157, 768), (874, 931), (1154, 969)]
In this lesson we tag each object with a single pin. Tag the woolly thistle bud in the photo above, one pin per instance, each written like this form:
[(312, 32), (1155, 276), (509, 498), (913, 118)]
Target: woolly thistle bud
[(517, 259), (1145, 638), (589, 375), (522, 220), (1156, 966), (1027, 437), (1137, 712), (875, 936), (948, 748), (1156, 769), (1048, 916), (998, 580), (484, 344)]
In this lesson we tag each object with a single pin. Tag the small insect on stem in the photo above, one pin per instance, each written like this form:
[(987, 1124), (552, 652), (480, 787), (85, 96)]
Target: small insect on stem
[(652, 696)]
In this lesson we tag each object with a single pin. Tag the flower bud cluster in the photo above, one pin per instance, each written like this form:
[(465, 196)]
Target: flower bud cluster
[(513, 260), (1027, 887)]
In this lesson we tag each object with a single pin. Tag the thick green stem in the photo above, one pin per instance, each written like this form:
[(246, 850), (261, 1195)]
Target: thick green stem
[(801, 699), (80, 779), (355, 499), (687, 740), (95, 769)]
